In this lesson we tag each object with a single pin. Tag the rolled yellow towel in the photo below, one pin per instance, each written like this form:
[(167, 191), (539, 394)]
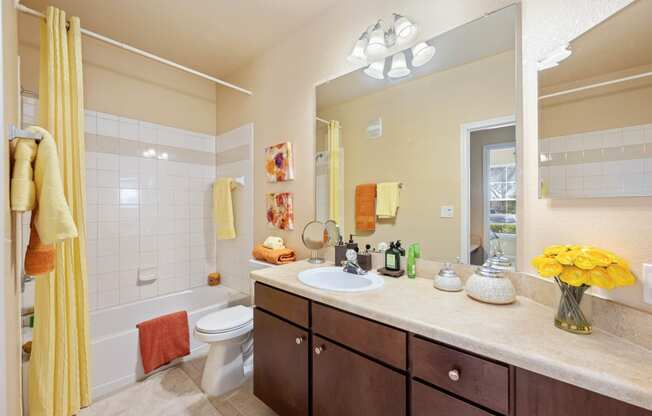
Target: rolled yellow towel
[(23, 189)]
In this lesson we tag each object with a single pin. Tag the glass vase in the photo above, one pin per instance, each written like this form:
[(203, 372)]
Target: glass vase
[(573, 315)]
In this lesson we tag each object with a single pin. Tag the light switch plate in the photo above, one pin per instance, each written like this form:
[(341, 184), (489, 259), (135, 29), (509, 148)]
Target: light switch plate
[(647, 282), (447, 211)]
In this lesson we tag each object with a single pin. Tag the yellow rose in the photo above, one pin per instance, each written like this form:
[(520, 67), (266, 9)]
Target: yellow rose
[(552, 251), (620, 275), (621, 262), (600, 278), (567, 258), (573, 276), (584, 262), (599, 257), (537, 260), (549, 267)]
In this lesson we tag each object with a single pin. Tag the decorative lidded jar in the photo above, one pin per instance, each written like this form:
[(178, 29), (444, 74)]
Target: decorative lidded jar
[(489, 285)]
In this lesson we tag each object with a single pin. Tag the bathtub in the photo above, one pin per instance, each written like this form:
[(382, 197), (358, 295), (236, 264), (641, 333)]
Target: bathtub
[(115, 356)]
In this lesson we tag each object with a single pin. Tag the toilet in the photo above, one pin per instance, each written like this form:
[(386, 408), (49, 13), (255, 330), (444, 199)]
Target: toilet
[(229, 333)]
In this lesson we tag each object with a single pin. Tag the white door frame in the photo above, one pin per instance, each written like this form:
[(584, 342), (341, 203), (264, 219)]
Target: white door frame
[(465, 174)]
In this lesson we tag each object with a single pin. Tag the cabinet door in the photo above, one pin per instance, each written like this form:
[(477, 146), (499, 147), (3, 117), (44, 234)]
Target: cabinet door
[(280, 365), (537, 395), (346, 383)]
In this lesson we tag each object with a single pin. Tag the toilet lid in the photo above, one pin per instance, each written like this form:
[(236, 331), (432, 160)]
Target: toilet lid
[(225, 320)]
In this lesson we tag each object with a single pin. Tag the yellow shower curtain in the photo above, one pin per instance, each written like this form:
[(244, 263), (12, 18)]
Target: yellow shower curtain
[(334, 170), (59, 365)]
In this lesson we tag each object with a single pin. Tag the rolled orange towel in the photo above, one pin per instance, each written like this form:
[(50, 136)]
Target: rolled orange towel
[(279, 256), (40, 258)]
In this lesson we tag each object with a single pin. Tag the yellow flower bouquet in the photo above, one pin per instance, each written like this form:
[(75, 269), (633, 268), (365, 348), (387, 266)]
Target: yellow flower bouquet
[(575, 269)]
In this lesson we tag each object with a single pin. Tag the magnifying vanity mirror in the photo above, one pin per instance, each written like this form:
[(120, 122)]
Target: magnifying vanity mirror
[(595, 111), (428, 157)]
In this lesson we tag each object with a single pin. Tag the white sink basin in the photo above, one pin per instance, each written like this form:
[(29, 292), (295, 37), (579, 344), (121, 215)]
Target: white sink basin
[(335, 279)]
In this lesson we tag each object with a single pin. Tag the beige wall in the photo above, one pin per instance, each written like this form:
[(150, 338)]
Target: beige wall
[(10, 384), (420, 147), (122, 83), (479, 139), (621, 105)]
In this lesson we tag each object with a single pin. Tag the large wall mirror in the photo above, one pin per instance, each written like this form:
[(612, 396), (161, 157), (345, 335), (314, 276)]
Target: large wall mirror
[(434, 143), (595, 111)]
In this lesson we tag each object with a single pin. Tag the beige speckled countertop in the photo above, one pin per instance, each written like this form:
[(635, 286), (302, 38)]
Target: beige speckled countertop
[(521, 334)]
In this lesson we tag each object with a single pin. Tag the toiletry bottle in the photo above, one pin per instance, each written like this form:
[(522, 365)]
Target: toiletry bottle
[(393, 257), (414, 252)]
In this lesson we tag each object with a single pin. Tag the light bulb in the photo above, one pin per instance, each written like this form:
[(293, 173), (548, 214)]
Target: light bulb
[(376, 70), (376, 47), (357, 54), (406, 31), (422, 53), (399, 68)]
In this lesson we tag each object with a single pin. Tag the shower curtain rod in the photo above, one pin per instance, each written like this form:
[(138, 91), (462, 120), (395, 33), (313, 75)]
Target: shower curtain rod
[(596, 85), (137, 51), (321, 120)]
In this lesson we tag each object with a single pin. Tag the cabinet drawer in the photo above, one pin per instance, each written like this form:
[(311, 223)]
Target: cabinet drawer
[(427, 401), (480, 380), (288, 306), (371, 338)]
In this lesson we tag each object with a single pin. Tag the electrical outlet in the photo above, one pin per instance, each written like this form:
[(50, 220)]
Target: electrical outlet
[(647, 283), (447, 211)]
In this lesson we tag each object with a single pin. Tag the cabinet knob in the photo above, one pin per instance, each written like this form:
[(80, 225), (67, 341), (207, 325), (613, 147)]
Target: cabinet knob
[(299, 340), (319, 350), (454, 374)]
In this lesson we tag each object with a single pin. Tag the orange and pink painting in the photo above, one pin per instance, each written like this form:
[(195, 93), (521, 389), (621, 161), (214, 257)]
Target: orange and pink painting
[(280, 213), (278, 162)]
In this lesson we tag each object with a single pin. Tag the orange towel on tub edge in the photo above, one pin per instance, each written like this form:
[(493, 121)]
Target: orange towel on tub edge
[(163, 339)]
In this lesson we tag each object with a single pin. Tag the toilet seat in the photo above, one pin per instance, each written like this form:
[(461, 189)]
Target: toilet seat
[(225, 324)]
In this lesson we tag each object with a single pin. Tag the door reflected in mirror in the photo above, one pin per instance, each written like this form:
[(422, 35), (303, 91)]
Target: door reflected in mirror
[(394, 162)]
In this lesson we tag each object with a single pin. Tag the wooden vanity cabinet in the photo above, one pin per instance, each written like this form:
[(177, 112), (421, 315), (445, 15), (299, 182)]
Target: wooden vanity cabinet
[(313, 359)]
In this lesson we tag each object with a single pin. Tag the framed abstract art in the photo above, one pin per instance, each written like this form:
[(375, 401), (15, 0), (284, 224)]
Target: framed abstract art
[(280, 213), (279, 164)]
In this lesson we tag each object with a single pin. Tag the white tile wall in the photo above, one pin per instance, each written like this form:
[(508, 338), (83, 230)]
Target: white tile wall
[(144, 212), (630, 177)]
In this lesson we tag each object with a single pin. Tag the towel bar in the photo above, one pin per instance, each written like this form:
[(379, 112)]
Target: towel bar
[(16, 133)]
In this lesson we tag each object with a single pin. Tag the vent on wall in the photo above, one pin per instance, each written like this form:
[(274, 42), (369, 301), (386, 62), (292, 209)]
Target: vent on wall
[(375, 128)]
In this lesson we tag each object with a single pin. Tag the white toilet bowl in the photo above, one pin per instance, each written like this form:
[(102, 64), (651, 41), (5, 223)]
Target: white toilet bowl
[(229, 334)]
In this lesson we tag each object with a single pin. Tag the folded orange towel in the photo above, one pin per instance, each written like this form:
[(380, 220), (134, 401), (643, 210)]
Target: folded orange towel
[(365, 207), (163, 339), (40, 258), (278, 256)]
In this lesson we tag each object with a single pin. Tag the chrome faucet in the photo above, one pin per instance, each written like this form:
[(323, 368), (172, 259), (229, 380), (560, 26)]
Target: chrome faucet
[(351, 265)]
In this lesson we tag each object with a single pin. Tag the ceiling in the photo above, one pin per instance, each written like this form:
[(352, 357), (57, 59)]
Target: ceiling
[(619, 43), (482, 38), (212, 36)]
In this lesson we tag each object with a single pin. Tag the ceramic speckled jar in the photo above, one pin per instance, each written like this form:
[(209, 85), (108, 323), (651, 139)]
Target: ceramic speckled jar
[(447, 280), (489, 285)]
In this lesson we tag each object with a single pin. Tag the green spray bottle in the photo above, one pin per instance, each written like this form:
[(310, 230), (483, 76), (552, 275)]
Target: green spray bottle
[(414, 252)]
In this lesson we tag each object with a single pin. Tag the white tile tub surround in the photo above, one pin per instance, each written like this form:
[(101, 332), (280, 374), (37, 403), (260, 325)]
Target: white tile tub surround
[(233, 255), (598, 173), (146, 213)]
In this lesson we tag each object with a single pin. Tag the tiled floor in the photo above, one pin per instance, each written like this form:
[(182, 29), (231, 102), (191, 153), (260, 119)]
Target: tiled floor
[(176, 392)]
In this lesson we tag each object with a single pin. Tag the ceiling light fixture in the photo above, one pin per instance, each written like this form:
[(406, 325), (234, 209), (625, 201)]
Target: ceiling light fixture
[(422, 53), (554, 58), (376, 70), (381, 40), (399, 68)]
